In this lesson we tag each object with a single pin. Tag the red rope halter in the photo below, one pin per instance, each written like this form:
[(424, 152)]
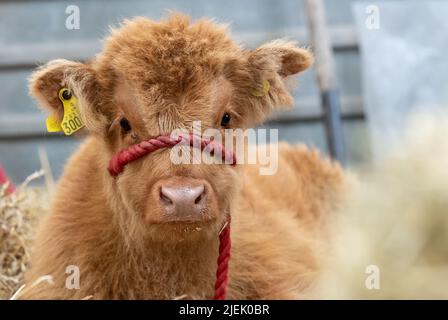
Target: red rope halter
[(134, 152), (4, 179)]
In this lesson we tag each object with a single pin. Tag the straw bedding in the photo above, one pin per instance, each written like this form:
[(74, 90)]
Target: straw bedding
[(19, 214)]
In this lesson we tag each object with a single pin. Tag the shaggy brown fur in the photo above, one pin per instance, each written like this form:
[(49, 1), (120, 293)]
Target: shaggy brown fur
[(162, 76)]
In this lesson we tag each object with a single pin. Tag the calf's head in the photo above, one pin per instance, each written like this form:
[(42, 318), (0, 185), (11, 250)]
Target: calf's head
[(155, 77)]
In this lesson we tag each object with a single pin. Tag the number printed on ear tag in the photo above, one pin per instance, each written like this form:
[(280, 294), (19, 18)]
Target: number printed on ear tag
[(72, 121)]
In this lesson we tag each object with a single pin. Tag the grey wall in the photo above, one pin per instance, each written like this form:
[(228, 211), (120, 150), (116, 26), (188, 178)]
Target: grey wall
[(33, 32)]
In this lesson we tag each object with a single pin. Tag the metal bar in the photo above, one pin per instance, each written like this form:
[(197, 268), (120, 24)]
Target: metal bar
[(326, 77)]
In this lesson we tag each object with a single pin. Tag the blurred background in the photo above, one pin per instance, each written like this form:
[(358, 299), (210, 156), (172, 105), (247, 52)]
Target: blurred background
[(385, 62)]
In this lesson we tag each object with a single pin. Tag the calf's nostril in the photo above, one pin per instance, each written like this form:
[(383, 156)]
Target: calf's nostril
[(164, 197), (200, 198), (197, 193)]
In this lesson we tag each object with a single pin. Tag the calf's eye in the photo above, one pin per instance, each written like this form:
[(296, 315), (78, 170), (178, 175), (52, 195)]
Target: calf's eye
[(225, 119), (125, 125)]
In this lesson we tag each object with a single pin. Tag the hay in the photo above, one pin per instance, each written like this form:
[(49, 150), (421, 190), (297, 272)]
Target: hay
[(19, 214), (396, 219)]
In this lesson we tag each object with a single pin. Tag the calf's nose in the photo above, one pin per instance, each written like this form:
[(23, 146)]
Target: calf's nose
[(183, 202)]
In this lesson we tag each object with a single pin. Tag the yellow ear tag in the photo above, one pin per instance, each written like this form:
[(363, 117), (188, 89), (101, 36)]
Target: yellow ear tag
[(53, 124), (265, 87), (71, 122)]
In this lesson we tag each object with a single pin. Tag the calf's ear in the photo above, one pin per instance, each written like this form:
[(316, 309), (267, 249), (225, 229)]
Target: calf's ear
[(260, 84), (46, 82), (283, 57), (273, 62)]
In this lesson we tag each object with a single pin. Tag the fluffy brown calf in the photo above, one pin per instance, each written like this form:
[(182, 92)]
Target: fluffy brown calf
[(152, 78)]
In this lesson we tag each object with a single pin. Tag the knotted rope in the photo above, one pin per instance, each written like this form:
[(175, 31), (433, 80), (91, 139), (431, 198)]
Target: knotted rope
[(136, 151)]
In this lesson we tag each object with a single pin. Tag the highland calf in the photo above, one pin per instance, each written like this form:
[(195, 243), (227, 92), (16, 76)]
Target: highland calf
[(151, 231)]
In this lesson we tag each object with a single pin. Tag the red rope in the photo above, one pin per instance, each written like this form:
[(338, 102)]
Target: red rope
[(134, 152), (223, 263), (4, 179)]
